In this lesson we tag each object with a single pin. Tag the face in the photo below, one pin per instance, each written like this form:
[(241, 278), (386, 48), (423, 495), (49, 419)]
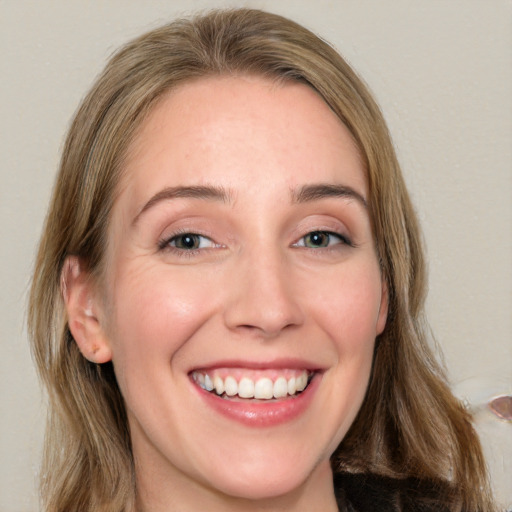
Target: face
[(243, 287)]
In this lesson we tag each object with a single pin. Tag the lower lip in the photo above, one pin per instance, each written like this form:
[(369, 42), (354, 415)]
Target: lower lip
[(263, 413)]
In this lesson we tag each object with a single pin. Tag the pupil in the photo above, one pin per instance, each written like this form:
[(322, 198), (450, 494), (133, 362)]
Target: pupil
[(188, 241), (318, 238)]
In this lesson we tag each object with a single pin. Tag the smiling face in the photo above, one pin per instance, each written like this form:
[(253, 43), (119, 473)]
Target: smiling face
[(241, 258)]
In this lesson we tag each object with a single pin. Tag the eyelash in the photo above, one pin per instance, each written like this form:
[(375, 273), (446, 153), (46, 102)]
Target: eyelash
[(344, 240), (165, 244)]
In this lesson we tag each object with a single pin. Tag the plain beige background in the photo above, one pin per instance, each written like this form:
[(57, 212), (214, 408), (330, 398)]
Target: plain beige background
[(442, 72)]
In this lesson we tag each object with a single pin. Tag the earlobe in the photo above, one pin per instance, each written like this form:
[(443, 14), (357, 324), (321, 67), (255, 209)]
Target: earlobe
[(83, 311), (383, 309)]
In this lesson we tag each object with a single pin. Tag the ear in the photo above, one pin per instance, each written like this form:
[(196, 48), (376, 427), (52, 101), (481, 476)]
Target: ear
[(383, 309), (83, 309)]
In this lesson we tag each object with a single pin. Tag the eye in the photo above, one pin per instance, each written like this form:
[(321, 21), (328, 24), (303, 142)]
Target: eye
[(188, 242), (321, 239)]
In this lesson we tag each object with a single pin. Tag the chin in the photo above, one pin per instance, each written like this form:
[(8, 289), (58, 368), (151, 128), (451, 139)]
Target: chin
[(256, 489), (269, 480)]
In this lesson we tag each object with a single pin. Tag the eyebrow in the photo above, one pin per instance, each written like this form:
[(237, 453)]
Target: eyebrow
[(304, 194), (318, 191), (205, 192)]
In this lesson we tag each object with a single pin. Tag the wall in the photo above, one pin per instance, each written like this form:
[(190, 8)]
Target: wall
[(442, 72)]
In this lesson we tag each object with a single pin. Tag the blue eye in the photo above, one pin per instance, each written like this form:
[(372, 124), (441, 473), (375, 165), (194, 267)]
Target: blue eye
[(321, 239)]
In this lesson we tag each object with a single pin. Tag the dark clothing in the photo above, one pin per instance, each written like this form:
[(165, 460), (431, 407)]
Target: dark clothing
[(369, 493)]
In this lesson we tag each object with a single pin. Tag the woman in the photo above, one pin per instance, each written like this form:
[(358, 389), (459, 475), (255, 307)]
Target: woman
[(227, 306)]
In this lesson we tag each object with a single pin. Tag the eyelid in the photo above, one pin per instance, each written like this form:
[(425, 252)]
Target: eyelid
[(343, 239), (325, 222), (165, 242)]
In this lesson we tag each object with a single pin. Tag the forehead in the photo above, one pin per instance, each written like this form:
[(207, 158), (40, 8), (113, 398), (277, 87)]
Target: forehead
[(223, 129)]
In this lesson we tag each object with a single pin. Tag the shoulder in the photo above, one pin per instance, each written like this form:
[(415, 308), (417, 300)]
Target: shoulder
[(366, 492)]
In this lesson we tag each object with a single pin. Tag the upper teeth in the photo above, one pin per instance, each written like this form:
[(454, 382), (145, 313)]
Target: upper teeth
[(262, 388)]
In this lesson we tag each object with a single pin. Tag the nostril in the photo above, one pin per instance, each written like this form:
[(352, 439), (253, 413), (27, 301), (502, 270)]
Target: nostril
[(265, 329)]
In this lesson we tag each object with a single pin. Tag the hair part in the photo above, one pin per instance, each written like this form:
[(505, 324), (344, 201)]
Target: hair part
[(410, 425)]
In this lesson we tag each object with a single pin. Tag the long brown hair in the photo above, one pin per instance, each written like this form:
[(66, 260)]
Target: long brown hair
[(410, 425)]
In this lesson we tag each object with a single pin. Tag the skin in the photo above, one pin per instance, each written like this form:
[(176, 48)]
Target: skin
[(255, 291)]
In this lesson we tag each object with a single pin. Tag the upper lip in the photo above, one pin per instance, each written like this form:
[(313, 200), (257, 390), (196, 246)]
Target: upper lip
[(281, 363)]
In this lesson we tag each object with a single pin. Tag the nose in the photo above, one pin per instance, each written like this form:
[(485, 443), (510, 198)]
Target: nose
[(262, 297)]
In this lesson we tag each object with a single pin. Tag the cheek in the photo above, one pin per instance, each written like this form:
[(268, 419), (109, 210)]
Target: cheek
[(348, 306), (348, 313), (156, 311)]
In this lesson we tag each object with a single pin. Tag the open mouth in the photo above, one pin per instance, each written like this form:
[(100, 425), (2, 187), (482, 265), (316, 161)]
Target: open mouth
[(237, 383)]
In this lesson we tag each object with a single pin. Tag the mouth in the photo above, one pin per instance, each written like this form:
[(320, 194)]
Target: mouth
[(240, 384), (256, 394)]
